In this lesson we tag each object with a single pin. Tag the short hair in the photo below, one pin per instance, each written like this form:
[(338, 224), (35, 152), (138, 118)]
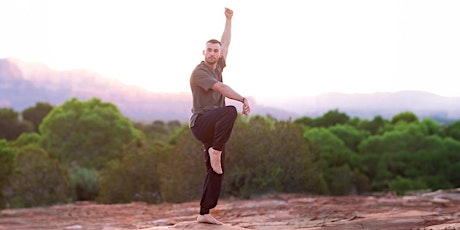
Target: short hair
[(214, 41)]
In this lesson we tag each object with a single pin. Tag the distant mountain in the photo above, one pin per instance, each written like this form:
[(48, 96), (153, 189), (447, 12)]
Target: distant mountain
[(387, 105), (22, 85)]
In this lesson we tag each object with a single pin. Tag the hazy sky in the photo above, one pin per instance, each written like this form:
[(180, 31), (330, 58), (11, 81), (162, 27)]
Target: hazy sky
[(279, 48)]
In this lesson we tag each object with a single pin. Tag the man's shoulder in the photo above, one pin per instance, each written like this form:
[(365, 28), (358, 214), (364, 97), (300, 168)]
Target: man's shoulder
[(201, 69)]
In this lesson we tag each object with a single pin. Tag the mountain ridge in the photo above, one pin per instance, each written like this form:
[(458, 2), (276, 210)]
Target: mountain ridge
[(24, 84), (424, 104)]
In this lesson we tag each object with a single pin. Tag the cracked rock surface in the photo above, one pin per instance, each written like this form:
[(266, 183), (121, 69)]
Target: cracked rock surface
[(434, 211)]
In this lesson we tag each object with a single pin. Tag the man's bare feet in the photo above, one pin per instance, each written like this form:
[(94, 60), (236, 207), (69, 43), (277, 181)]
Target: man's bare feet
[(214, 157), (208, 219)]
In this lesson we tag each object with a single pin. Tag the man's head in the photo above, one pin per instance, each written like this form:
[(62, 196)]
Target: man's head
[(212, 53)]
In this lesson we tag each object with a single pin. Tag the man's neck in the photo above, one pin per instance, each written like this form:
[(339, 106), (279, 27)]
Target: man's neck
[(212, 66)]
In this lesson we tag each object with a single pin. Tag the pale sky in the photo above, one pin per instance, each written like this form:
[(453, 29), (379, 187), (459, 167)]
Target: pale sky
[(279, 48)]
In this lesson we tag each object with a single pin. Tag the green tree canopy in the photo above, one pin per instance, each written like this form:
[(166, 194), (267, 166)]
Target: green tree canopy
[(411, 151), (350, 135), (36, 114), (453, 130), (331, 118), (306, 121), (374, 126), (158, 131), (86, 133), (333, 150), (407, 116), (27, 139), (338, 163), (10, 125), (268, 156)]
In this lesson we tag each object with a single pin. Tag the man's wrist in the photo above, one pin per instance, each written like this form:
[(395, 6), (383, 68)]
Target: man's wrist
[(242, 100)]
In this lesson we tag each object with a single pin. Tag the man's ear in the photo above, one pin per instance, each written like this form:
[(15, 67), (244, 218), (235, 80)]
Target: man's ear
[(204, 52)]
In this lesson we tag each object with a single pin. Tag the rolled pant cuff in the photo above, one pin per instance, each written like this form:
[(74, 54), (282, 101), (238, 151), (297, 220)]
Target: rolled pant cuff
[(204, 211)]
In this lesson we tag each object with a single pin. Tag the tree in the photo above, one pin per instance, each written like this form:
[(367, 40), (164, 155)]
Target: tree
[(292, 155), (306, 121), (411, 151), (432, 127), (405, 138), (36, 114), (331, 118), (86, 134), (38, 180), (338, 163), (27, 139), (451, 153), (350, 135), (10, 125), (407, 117), (7, 162), (453, 130), (247, 158), (135, 177), (333, 151), (268, 156), (158, 131), (373, 126), (182, 168)]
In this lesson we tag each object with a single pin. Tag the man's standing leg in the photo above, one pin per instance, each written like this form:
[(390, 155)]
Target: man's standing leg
[(213, 129), (212, 185)]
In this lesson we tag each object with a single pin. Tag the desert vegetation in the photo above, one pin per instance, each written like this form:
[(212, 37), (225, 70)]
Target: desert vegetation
[(87, 150)]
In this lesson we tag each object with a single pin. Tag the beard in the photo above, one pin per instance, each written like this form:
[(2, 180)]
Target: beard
[(211, 60)]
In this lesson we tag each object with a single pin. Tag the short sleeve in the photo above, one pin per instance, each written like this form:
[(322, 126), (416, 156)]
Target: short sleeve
[(203, 79)]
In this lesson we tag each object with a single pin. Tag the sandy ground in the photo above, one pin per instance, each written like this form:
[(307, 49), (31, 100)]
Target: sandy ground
[(436, 210)]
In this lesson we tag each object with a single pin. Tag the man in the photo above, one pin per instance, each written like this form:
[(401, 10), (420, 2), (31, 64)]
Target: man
[(212, 121)]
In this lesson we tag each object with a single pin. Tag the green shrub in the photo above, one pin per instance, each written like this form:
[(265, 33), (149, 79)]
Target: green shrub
[(402, 185), (7, 163), (84, 183), (37, 181), (133, 178)]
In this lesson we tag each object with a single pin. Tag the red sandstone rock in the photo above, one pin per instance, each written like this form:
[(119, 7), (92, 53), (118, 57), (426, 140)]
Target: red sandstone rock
[(436, 210)]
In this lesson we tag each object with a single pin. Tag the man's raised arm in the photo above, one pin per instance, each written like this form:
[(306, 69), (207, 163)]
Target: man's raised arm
[(227, 34)]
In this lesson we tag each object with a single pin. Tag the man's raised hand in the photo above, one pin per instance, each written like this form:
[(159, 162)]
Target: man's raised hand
[(228, 13)]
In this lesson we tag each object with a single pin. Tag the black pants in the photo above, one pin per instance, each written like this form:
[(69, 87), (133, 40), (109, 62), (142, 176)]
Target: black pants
[(213, 129)]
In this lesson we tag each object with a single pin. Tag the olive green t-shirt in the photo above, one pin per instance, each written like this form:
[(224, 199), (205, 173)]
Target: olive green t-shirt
[(204, 98)]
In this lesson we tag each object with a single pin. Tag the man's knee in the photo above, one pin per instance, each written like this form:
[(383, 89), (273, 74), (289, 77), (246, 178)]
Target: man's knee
[(231, 112)]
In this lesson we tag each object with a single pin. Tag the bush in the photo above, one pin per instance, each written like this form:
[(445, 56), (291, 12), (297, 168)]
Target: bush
[(84, 183), (402, 185), (182, 169), (7, 162), (343, 181), (37, 181), (133, 178)]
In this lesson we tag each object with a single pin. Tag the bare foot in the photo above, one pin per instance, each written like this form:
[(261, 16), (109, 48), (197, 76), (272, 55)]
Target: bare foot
[(214, 157), (208, 219)]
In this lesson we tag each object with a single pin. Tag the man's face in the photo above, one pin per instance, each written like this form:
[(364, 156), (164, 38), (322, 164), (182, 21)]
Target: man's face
[(212, 53)]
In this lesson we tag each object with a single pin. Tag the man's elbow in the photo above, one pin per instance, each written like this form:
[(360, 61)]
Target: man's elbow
[(219, 86)]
